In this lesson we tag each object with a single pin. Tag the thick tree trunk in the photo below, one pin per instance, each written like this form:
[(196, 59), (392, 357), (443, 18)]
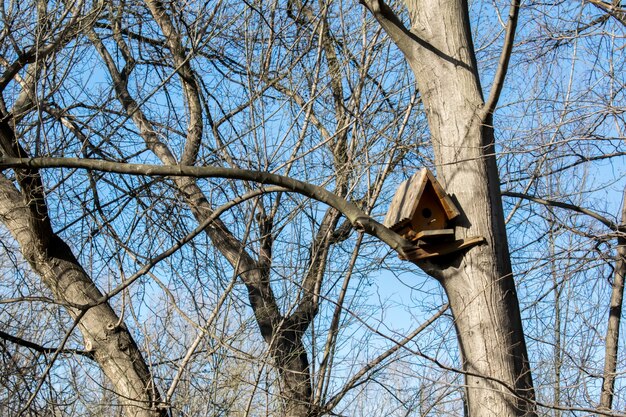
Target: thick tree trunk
[(24, 213), (109, 341), (615, 316), (479, 283), (292, 362)]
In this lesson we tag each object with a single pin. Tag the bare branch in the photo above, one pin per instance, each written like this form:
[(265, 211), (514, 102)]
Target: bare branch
[(188, 79), (356, 216), (503, 63), (396, 30), (552, 203), (614, 8), (356, 379), (42, 349)]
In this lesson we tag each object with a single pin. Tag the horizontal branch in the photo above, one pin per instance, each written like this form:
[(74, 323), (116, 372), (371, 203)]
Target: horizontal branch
[(581, 160), (552, 203), (354, 214), (42, 349)]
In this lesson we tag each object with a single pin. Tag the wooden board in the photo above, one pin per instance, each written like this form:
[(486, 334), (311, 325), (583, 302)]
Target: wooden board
[(405, 200), (424, 252), (434, 235)]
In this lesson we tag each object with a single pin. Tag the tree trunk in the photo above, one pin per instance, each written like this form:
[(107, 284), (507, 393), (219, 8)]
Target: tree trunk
[(479, 283), (105, 336), (615, 316), (285, 343), (292, 362)]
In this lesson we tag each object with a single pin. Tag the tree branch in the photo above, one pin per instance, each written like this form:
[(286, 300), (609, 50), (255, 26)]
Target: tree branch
[(145, 269), (615, 317), (614, 9), (356, 216), (42, 349), (396, 30), (552, 203), (188, 80), (503, 63), (354, 381)]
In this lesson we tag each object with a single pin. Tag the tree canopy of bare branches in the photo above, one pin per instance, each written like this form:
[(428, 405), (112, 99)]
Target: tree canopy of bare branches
[(191, 199)]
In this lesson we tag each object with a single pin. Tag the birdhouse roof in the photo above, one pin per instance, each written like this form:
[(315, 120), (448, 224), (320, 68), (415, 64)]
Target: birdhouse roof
[(404, 204)]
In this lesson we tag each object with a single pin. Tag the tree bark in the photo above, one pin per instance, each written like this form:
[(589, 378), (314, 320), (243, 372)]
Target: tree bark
[(615, 316), (24, 212), (479, 283), (105, 335)]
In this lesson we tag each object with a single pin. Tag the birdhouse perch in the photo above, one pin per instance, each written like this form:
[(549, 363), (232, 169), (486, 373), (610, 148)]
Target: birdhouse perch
[(422, 212)]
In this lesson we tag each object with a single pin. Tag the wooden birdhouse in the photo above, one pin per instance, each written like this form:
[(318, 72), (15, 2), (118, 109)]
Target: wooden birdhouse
[(422, 212), (421, 206)]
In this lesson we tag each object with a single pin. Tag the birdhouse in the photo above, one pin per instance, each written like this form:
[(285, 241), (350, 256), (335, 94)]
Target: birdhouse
[(421, 209), (422, 212)]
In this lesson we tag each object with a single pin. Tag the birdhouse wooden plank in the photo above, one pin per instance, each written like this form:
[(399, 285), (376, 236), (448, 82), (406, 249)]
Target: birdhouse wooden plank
[(423, 252), (435, 235), (422, 212), (421, 204)]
